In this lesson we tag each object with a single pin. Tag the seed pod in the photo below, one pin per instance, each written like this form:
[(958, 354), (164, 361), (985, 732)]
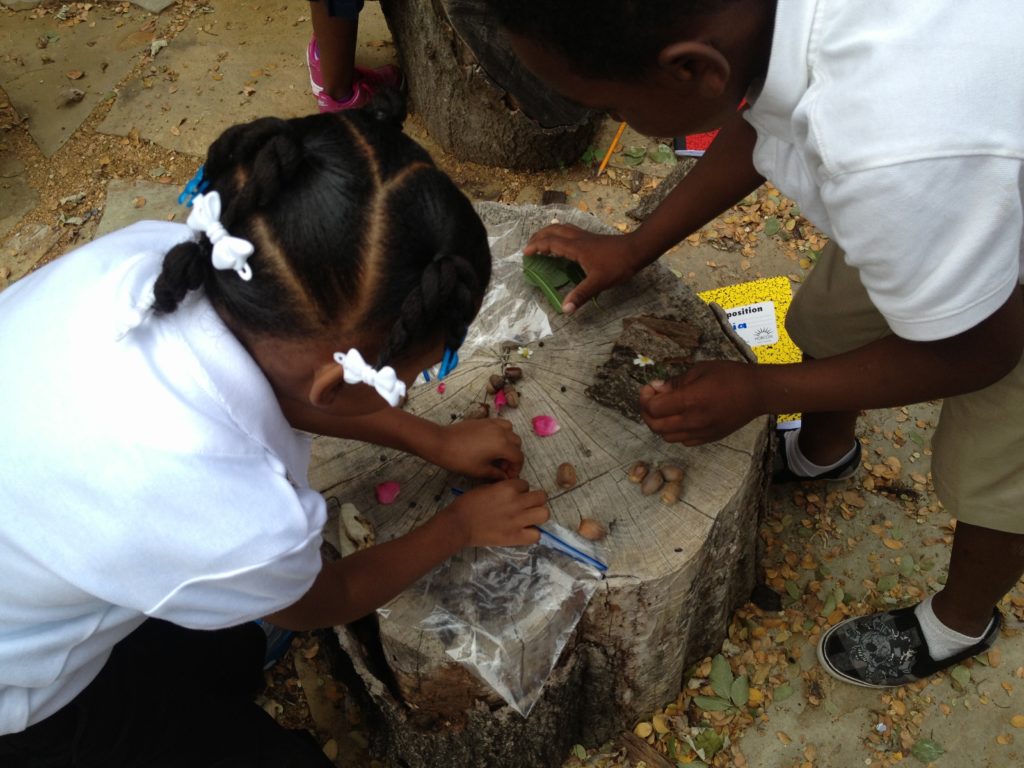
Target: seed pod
[(638, 471), (670, 492), (566, 475), (495, 383), (652, 483), (511, 396), (477, 411), (673, 473), (591, 529), (513, 373)]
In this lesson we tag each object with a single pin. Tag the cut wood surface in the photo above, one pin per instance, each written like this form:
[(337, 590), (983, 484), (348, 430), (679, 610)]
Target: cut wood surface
[(676, 572)]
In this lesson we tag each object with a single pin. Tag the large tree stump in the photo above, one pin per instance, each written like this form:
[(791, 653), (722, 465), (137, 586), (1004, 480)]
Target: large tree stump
[(475, 99), (676, 572)]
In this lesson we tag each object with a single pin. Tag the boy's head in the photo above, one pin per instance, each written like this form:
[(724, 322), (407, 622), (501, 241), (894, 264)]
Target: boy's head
[(667, 67), (360, 240)]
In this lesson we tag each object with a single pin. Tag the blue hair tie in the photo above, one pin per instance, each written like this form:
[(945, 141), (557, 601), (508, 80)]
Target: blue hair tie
[(197, 185)]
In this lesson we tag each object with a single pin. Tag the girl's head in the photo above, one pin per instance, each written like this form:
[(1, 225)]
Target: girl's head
[(667, 67), (359, 242)]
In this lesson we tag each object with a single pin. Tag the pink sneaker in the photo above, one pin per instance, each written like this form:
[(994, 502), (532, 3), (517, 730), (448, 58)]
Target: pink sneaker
[(365, 84)]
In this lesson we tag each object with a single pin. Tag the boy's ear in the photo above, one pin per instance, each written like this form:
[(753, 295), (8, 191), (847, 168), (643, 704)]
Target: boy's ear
[(698, 63), (328, 380)]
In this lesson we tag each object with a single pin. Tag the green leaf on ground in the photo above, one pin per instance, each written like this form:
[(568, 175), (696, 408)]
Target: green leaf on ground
[(710, 742), (927, 751), (771, 226), (634, 155), (721, 676), (662, 153), (580, 751), (961, 675), (783, 692), (712, 703), (740, 691)]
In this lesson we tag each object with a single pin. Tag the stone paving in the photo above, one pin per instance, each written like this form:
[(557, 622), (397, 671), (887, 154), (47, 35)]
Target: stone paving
[(82, 83)]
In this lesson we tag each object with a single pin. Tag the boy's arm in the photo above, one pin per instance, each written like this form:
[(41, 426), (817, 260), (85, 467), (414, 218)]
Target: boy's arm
[(722, 177), (716, 398)]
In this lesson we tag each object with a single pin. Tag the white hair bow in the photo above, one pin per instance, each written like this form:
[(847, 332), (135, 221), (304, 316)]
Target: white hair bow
[(228, 252), (358, 371)]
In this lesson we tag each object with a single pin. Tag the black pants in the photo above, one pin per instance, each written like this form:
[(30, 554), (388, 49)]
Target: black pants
[(168, 697)]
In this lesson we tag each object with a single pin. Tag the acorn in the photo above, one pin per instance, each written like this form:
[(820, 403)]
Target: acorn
[(513, 373), (638, 471), (591, 529), (652, 483), (495, 384), (673, 473), (477, 411), (511, 396), (670, 492), (565, 477)]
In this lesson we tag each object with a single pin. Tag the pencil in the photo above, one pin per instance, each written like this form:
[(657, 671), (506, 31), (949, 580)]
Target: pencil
[(611, 149)]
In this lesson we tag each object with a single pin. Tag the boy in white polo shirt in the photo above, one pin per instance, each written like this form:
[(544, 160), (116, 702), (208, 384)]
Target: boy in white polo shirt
[(897, 128)]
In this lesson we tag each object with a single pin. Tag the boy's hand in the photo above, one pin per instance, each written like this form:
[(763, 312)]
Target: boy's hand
[(711, 400), (499, 515), (483, 448), (607, 259)]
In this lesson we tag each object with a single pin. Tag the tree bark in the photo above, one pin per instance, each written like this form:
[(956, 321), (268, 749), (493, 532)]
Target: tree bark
[(476, 100), (676, 572)]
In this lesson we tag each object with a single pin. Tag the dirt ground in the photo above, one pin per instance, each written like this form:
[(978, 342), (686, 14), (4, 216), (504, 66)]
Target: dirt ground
[(105, 109)]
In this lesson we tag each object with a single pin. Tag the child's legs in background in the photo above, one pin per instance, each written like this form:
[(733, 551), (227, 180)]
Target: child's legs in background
[(831, 313), (168, 697), (336, 27)]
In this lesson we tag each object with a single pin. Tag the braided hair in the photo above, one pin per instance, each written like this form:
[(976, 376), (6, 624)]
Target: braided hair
[(356, 233)]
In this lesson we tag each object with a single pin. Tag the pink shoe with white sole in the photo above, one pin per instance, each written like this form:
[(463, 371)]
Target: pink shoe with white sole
[(365, 84)]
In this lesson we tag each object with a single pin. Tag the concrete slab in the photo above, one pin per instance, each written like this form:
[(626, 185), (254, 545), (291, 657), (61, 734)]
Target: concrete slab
[(153, 6), (131, 201), (21, 5), (37, 79), (16, 196), (20, 253)]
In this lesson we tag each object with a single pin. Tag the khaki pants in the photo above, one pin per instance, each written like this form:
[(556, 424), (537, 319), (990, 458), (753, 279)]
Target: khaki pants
[(978, 448)]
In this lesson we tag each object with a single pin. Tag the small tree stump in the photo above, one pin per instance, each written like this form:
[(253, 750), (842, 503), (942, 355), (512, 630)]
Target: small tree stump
[(473, 95), (676, 572)]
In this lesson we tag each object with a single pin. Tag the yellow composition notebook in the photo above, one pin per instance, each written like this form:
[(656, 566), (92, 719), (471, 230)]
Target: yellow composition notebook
[(757, 311)]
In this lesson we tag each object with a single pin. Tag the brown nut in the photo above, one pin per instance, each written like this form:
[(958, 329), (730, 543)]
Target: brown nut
[(673, 473), (670, 492), (652, 483), (477, 411), (495, 383), (511, 396), (513, 373), (566, 475), (591, 529), (638, 471)]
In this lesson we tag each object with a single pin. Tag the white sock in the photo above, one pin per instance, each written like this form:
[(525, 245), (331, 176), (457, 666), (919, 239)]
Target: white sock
[(800, 464), (943, 642)]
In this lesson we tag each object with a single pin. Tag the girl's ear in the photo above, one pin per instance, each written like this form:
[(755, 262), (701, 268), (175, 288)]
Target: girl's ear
[(700, 64), (328, 380)]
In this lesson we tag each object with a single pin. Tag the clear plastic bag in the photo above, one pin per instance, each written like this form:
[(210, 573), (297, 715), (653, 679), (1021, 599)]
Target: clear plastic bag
[(513, 311), (505, 613)]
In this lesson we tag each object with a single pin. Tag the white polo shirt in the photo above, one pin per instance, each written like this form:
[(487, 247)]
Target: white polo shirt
[(898, 127), (153, 475)]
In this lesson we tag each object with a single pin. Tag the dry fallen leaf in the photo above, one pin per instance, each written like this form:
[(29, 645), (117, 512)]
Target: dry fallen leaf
[(75, 74), (1017, 721), (893, 543)]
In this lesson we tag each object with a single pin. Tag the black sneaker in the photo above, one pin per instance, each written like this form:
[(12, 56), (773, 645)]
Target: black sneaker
[(783, 474), (888, 649)]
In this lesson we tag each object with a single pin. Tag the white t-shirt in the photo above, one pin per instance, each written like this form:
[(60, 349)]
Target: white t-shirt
[(898, 127), (151, 475)]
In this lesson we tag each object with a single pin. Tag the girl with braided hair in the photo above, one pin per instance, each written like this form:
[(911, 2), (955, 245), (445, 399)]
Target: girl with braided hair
[(160, 386)]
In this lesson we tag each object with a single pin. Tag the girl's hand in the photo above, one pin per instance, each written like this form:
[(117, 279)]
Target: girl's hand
[(711, 400), (607, 259), (499, 515), (482, 448)]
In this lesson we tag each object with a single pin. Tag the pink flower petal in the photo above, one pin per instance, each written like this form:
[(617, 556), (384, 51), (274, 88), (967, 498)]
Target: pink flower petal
[(545, 425), (388, 492), (440, 388), (499, 399)]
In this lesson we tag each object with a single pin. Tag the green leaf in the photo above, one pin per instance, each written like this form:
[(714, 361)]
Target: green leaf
[(793, 590), (887, 582), (662, 153), (961, 675), (830, 605), (710, 742), (771, 226), (906, 565), (721, 676), (547, 273), (580, 751), (670, 746), (740, 691), (712, 703), (927, 751), (783, 692), (634, 155)]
